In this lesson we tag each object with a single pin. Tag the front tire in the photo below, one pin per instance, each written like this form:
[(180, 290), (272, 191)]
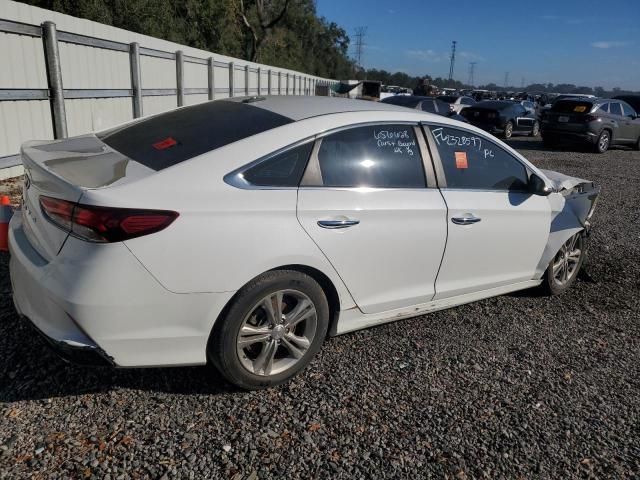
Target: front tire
[(604, 141), (272, 330), (508, 129), (563, 269)]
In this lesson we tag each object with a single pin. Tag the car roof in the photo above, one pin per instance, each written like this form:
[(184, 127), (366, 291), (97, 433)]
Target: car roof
[(302, 107)]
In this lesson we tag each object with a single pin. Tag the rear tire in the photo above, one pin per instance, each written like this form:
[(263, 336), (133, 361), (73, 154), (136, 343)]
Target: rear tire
[(274, 327), (603, 143), (508, 130), (637, 145), (535, 131), (564, 267)]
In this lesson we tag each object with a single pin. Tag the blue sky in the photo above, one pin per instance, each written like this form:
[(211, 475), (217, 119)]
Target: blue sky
[(585, 42)]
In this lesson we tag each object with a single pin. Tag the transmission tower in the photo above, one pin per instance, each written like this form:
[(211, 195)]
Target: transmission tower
[(361, 32), (472, 69), (506, 79), (453, 59)]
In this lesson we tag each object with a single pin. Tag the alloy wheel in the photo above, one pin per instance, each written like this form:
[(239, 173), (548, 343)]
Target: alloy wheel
[(567, 260), (277, 332), (603, 141)]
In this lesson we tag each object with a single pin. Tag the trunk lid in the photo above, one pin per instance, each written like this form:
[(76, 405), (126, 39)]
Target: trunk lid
[(64, 169)]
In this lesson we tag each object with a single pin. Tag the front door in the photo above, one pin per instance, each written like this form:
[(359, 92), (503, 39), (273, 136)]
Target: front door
[(497, 230), (364, 201)]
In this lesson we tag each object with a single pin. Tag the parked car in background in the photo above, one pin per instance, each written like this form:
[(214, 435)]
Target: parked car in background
[(600, 123), (503, 117), (426, 104), (457, 102), (633, 100), (302, 217)]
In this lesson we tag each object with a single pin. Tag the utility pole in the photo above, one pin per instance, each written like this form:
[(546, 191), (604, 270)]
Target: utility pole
[(361, 32), (506, 80), (472, 68), (453, 59)]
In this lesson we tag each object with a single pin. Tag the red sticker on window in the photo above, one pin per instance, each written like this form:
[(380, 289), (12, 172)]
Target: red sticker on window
[(164, 144), (461, 160)]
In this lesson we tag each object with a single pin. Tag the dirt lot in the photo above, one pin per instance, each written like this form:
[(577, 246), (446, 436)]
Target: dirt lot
[(519, 386)]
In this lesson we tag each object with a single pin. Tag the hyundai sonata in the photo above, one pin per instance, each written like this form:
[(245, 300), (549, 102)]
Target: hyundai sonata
[(243, 232)]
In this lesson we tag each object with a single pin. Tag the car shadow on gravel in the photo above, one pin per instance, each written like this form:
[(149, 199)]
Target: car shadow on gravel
[(30, 370)]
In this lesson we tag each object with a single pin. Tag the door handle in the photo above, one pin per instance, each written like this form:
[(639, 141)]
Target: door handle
[(334, 224), (466, 220)]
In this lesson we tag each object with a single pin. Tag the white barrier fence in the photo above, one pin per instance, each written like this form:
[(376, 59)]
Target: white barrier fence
[(75, 76)]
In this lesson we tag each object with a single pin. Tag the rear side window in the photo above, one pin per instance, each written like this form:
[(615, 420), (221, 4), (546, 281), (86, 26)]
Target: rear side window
[(604, 108), (428, 106), (472, 162), (615, 109), (571, 106), (628, 111), (385, 156), (282, 170), (170, 138)]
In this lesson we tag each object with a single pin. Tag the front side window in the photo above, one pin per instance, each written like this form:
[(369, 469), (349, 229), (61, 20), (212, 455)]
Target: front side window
[(472, 162), (615, 109), (281, 170), (379, 156)]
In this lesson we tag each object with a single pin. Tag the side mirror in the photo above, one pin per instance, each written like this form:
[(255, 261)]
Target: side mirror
[(537, 186)]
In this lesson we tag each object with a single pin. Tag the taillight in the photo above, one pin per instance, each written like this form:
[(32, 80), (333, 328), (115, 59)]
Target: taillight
[(104, 224), (589, 118)]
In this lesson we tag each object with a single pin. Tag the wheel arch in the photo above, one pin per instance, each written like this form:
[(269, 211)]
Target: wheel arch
[(328, 287)]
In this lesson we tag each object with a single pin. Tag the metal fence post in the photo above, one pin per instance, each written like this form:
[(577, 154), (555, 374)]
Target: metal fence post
[(259, 81), (279, 83), (134, 65), (231, 78), (269, 82), (246, 80), (287, 86), (211, 84), (54, 79), (180, 77)]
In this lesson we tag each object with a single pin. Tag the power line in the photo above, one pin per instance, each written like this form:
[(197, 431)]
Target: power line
[(472, 69), (453, 59), (361, 32)]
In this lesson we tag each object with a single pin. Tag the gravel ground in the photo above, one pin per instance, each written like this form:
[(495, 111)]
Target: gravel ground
[(519, 386)]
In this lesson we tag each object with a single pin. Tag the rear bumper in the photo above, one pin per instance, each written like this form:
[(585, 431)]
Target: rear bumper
[(576, 136), (91, 355), (98, 300)]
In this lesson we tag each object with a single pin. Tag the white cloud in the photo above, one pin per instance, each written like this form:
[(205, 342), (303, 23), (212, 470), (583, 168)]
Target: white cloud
[(471, 56), (609, 44), (426, 55)]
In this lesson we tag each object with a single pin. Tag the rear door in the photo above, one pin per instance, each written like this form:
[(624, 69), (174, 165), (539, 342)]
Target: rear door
[(629, 125), (622, 133), (366, 202), (497, 230)]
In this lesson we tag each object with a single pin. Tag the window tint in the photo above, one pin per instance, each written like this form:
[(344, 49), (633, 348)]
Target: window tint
[(281, 170), (615, 108), (467, 101), (472, 162), (169, 138), (572, 106), (382, 156), (604, 108), (628, 111), (429, 106)]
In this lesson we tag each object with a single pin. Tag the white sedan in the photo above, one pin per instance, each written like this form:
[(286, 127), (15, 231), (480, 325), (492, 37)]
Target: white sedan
[(243, 232)]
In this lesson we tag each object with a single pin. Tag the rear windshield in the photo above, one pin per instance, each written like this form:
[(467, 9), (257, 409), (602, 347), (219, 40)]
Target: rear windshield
[(170, 138), (493, 105), (448, 98), (571, 106)]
